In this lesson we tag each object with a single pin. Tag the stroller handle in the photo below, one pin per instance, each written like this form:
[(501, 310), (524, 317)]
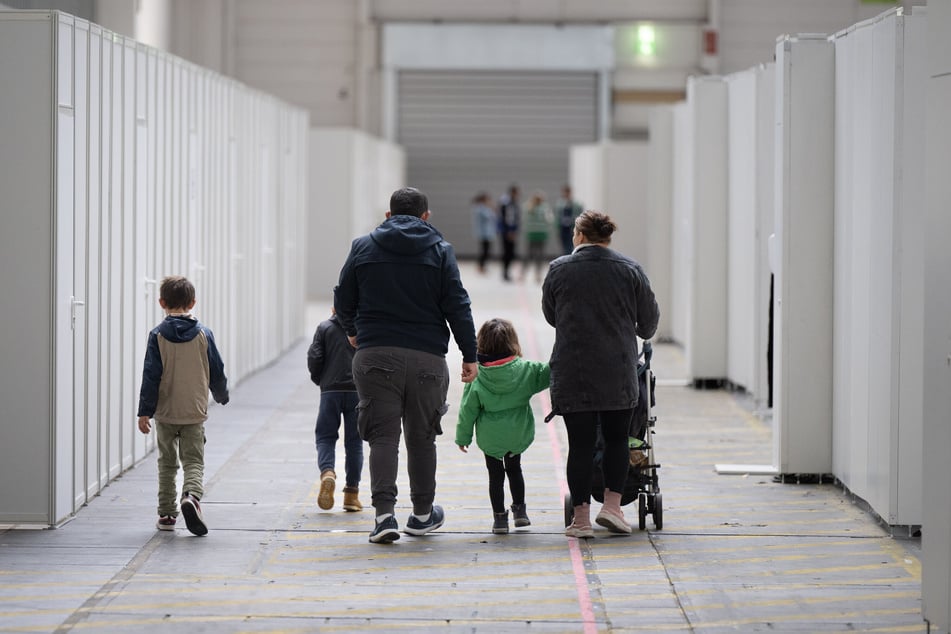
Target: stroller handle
[(647, 352)]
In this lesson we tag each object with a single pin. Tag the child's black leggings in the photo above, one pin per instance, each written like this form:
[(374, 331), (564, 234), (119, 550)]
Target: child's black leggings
[(511, 465)]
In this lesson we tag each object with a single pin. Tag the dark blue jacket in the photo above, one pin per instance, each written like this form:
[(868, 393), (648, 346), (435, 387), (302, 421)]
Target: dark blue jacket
[(400, 286)]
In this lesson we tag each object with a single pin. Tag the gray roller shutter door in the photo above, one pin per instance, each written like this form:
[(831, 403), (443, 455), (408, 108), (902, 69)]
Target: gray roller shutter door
[(469, 131)]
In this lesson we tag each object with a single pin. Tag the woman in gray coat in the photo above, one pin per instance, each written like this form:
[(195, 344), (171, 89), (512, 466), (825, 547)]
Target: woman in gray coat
[(599, 302)]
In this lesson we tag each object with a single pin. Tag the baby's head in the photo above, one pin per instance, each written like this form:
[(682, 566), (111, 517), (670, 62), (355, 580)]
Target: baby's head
[(497, 339), (176, 294)]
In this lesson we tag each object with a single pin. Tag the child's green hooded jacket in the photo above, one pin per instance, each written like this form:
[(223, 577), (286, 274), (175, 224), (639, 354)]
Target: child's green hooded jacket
[(496, 405)]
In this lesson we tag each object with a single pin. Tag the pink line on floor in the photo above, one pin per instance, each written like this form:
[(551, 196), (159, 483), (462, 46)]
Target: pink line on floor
[(574, 549)]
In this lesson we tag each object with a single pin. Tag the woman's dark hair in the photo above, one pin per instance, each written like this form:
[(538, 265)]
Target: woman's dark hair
[(409, 201), (497, 338), (595, 226)]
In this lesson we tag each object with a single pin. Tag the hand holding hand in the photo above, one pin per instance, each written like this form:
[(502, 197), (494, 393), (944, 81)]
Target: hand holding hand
[(469, 372)]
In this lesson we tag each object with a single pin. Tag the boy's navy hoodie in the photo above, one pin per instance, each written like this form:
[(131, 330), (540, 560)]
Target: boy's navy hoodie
[(400, 286), (181, 364)]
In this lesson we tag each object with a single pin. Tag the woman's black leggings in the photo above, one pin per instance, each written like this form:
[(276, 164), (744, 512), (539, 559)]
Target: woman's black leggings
[(511, 465), (582, 434)]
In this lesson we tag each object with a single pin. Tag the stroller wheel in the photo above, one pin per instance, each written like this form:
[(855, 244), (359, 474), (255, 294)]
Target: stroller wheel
[(658, 511), (569, 510), (642, 510)]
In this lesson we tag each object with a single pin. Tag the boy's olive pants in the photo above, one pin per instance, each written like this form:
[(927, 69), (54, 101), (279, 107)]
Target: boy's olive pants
[(185, 442)]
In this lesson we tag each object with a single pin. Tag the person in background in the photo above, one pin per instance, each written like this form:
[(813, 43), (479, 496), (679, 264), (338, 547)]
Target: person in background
[(485, 225), (567, 211), (510, 214), (599, 303), (330, 362), (496, 406), (398, 296), (181, 364), (537, 227)]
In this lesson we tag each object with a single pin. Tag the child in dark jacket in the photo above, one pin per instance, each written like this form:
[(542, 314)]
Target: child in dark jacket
[(330, 359), (181, 364), (496, 406)]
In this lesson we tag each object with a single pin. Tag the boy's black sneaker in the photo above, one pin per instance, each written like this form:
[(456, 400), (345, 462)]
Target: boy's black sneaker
[(385, 531), (415, 526), (192, 512)]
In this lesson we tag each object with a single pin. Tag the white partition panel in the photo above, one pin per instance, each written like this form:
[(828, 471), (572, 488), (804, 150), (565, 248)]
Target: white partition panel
[(879, 145), (351, 176), (612, 177), (802, 374), (626, 193), (80, 232), (122, 165), (750, 223), (63, 298), (681, 233), (699, 236), (742, 225), (936, 488), (706, 357), (765, 211), (585, 169), (660, 212)]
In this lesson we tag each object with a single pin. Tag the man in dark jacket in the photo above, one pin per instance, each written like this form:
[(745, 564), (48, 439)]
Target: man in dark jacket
[(398, 296)]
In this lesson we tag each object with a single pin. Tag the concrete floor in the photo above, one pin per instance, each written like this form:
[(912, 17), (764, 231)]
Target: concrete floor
[(737, 553)]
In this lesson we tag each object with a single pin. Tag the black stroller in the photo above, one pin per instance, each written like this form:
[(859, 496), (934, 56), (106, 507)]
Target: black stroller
[(642, 482)]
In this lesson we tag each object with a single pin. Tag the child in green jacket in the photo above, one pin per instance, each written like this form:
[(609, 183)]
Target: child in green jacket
[(496, 406)]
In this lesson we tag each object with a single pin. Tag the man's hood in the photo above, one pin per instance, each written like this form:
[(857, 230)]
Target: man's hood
[(179, 329), (405, 235)]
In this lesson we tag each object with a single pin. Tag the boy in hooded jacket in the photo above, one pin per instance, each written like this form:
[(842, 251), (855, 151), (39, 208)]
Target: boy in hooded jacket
[(181, 365), (330, 362), (496, 406)]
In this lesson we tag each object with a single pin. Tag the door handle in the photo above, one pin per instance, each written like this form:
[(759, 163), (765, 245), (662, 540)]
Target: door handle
[(73, 303)]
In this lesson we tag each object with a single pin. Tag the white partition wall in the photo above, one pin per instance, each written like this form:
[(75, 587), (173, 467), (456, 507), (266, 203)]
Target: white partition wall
[(123, 164), (750, 223), (659, 211), (936, 488), (585, 173), (351, 178), (699, 236), (681, 235), (879, 265), (802, 358), (612, 177)]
